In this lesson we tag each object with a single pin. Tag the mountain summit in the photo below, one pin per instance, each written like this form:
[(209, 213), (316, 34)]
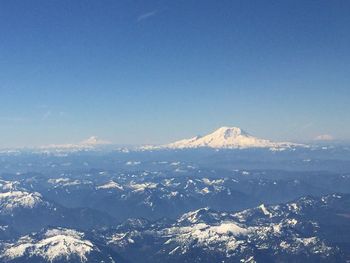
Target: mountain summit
[(89, 143), (229, 138), (94, 140)]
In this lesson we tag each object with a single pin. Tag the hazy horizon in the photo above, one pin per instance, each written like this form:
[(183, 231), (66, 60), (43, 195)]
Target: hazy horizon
[(320, 140), (153, 72)]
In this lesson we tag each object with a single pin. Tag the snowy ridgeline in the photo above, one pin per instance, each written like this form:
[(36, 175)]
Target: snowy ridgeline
[(233, 236), (54, 244), (227, 138), (238, 235)]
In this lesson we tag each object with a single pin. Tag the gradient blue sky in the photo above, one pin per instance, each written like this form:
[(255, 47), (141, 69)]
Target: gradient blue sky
[(156, 71)]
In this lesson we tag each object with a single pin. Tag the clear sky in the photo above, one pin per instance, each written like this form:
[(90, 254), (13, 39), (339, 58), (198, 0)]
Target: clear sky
[(155, 71)]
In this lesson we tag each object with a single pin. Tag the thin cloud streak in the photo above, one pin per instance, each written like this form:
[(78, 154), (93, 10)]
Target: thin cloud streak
[(146, 15)]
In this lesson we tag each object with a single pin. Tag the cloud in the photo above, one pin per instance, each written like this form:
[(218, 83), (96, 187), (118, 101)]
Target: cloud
[(324, 137), (146, 15)]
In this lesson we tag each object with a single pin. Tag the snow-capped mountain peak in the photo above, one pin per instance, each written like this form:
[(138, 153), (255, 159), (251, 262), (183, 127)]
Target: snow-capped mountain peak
[(17, 199), (91, 140), (90, 143), (54, 244), (230, 138), (94, 140), (230, 132)]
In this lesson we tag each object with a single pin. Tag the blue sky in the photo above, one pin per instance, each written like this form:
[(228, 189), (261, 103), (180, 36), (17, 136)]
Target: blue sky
[(156, 71)]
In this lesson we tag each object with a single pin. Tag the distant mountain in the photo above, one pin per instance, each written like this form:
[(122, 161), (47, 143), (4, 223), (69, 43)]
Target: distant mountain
[(228, 138), (88, 144), (94, 140)]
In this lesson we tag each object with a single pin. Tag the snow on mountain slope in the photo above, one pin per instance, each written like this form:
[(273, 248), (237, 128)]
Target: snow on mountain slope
[(54, 244), (18, 199), (288, 232), (13, 197), (230, 138), (89, 143), (8, 185), (200, 216), (94, 140), (111, 185)]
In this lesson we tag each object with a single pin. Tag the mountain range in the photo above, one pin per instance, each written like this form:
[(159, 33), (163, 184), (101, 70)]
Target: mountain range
[(172, 206)]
